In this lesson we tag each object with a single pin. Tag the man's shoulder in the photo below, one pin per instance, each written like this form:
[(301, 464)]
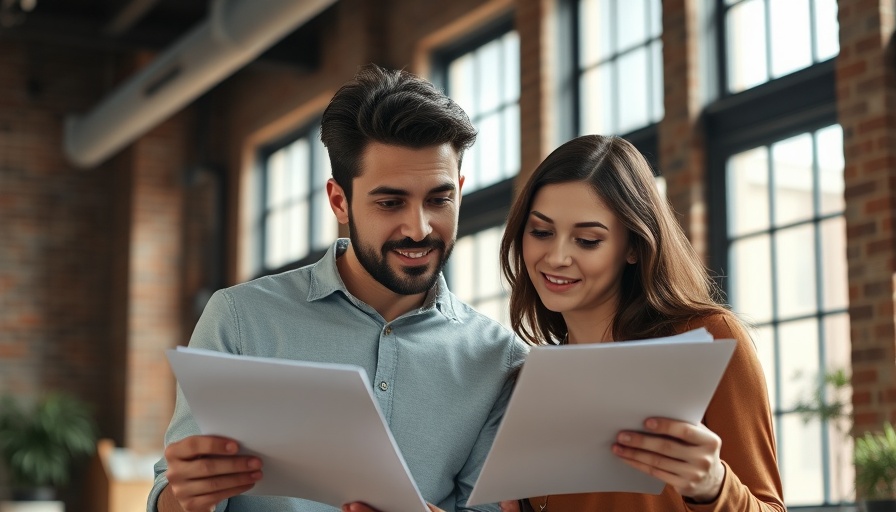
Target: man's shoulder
[(468, 313), (289, 283), (473, 320)]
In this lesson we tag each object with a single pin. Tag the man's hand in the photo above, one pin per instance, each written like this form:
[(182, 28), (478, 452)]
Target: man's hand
[(683, 455), (204, 470), (360, 507)]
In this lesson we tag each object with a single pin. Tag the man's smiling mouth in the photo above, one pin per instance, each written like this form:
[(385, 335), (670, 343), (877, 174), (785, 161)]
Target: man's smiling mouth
[(413, 254)]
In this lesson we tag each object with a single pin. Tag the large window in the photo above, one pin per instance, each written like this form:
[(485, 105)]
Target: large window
[(482, 75), (767, 39), (620, 65), (785, 224), (777, 229), (485, 83), (294, 224), (610, 71)]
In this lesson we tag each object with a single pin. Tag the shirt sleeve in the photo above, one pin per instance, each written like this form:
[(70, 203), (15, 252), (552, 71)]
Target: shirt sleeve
[(217, 329), (468, 475), (740, 415)]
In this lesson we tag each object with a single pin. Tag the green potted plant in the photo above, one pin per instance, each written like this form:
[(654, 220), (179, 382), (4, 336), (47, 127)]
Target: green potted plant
[(39, 443), (829, 401), (875, 461)]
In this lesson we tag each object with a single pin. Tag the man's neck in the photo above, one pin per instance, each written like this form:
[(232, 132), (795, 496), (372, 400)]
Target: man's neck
[(361, 284)]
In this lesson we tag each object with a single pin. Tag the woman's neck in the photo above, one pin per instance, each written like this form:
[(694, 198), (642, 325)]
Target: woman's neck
[(593, 327)]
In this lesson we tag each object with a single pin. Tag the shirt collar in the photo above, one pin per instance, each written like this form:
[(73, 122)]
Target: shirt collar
[(325, 280)]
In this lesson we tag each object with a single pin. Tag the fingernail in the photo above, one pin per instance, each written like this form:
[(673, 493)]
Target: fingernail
[(231, 448), (256, 475), (254, 463), (624, 438), (651, 423)]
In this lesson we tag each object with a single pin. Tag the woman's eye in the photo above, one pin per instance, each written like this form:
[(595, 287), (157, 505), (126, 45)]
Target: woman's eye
[(539, 233), (588, 243)]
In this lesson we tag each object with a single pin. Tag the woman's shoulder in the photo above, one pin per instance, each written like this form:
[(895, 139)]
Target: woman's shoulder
[(721, 324)]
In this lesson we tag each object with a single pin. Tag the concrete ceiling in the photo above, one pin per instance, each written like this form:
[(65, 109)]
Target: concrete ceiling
[(127, 25)]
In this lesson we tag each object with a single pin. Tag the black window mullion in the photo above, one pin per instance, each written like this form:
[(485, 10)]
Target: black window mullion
[(722, 57), (768, 39), (819, 300), (648, 46), (314, 164), (813, 33)]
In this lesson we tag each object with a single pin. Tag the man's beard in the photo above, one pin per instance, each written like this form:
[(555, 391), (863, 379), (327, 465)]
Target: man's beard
[(412, 279)]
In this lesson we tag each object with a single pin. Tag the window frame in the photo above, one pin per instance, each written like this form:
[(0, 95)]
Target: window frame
[(485, 207), (569, 94), (311, 131), (792, 104)]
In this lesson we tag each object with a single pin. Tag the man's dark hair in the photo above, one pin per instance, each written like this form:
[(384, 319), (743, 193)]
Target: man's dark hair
[(389, 107)]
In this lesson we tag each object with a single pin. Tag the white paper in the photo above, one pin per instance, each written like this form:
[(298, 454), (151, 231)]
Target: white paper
[(316, 427), (570, 402)]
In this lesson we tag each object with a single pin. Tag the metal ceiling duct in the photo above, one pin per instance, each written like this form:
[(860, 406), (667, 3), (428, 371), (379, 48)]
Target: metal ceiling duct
[(235, 33)]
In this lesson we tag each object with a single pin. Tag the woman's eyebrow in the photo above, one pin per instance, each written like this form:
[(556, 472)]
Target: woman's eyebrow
[(591, 224)]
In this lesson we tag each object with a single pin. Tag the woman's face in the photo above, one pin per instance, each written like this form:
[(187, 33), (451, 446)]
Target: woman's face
[(575, 249)]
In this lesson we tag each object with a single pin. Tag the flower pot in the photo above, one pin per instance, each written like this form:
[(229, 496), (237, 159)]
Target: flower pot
[(880, 505)]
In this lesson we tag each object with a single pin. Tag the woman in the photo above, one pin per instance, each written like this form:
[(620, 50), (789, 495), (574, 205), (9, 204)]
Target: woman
[(595, 255)]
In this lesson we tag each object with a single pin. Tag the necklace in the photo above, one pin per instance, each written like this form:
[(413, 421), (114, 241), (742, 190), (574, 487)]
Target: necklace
[(545, 504)]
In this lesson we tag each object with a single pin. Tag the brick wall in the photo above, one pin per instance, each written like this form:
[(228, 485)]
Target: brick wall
[(54, 252), (90, 280), (682, 157), (160, 162), (866, 96), (535, 22)]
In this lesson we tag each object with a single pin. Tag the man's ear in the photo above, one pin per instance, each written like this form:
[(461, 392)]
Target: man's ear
[(338, 201), (460, 187)]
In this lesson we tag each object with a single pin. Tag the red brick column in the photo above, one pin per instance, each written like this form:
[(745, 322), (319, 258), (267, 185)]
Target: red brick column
[(54, 245), (534, 21), (681, 145), (866, 97), (155, 270)]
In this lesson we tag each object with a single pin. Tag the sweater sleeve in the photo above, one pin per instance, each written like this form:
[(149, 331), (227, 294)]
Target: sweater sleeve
[(740, 415)]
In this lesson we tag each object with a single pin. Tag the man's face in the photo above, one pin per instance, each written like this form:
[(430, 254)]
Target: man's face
[(403, 214)]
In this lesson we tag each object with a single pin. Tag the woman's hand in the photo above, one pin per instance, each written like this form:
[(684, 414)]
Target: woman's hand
[(510, 506), (683, 455)]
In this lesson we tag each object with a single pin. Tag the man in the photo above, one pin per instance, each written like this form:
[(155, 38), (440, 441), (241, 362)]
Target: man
[(441, 371)]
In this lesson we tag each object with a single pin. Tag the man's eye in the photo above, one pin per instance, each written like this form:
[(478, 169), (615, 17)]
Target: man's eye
[(440, 201), (389, 203)]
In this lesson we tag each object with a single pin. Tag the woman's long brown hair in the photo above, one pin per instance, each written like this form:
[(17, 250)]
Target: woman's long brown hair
[(667, 285)]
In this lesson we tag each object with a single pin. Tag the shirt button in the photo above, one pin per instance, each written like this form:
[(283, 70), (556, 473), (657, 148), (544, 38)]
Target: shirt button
[(388, 330), (384, 386)]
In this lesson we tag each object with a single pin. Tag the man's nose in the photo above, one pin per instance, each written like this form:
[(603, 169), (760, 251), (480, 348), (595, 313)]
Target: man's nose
[(416, 225)]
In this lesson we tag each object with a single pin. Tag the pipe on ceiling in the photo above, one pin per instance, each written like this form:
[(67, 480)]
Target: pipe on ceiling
[(235, 33), (128, 16)]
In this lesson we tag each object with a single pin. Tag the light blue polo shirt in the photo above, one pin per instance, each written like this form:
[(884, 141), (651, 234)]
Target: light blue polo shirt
[(442, 374)]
